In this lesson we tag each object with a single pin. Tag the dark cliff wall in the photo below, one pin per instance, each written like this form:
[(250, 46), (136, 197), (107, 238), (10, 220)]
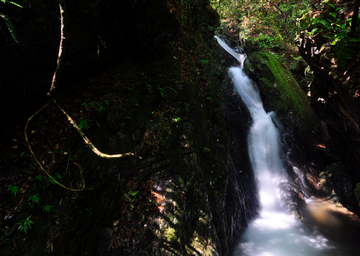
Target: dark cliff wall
[(96, 33), (157, 70)]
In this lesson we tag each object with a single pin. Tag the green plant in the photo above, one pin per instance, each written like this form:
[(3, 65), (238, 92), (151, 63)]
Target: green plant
[(33, 166), (130, 196), (345, 50), (176, 119), (206, 150), (97, 106), (83, 123), (4, 239), (7, 21), (23, 153), (34, 199), (161, 91), (338, 31), (13, 189), (148, 86), (39, 177), (46, 208), (24, 225), (171, 89), (182, 184)]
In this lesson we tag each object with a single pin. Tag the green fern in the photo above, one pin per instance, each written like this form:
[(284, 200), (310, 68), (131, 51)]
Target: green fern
[(10, 26), (8, 23), (11, 2)]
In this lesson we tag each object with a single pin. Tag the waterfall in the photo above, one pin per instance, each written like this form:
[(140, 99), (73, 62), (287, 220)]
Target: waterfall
[(263, 141), (239, 57), (273, 232)]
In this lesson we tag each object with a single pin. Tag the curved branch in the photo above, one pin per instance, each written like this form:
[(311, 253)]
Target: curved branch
[(88, 142)]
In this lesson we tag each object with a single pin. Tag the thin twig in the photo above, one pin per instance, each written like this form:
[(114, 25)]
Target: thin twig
[(61, 47)]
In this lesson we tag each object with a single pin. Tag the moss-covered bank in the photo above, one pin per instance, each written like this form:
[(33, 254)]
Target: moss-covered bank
[(281, 93)]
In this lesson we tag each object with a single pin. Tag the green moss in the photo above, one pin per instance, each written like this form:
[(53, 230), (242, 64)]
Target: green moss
[(281, 90), (288, 85), (170, 235)]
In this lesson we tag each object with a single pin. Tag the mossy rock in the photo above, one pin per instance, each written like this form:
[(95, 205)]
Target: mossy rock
[(280, 91)]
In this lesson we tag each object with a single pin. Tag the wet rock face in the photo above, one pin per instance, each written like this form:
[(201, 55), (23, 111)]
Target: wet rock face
[(239, 202), (337, 185), (336, 158)]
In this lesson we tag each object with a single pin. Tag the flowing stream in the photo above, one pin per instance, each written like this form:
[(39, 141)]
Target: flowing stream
[(326, 230)]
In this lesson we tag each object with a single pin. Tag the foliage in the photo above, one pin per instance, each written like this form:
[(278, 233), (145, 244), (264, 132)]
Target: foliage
[(268, 24), (130, 196), (345, 50), (24, 225), (83, 123), (34, 199), (46, 208), (7, 21), (333, 27), (13, 189), (275, 24)]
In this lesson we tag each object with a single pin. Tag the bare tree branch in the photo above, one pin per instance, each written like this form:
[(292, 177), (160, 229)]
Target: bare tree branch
[(61, 47)]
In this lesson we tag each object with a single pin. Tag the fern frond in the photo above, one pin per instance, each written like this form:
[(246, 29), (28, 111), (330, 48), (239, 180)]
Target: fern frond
[(11, 2), (10, 26)]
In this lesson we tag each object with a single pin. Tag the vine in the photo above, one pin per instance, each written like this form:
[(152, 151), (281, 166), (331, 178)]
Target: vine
[(50, 93)]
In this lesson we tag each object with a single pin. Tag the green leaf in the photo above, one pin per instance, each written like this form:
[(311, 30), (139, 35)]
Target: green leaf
[(39, 177), (313, 31), (181, 182), (10, 26), (135, 193), (24, 225), (46, 208), (13, 189), (58, 176), (35, 199), (83, 123), (171, 89), (205, 61)]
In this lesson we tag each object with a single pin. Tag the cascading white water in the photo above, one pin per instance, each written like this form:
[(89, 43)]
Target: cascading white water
[(273, 232)]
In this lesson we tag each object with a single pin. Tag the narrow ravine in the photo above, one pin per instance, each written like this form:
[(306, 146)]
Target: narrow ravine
[(274, 232)]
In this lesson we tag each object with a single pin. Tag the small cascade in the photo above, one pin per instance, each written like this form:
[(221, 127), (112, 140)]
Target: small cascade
[(273, 232), (238, 56)]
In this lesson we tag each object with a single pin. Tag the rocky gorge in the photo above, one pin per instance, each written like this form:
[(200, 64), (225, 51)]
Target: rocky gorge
[(148, 77)]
